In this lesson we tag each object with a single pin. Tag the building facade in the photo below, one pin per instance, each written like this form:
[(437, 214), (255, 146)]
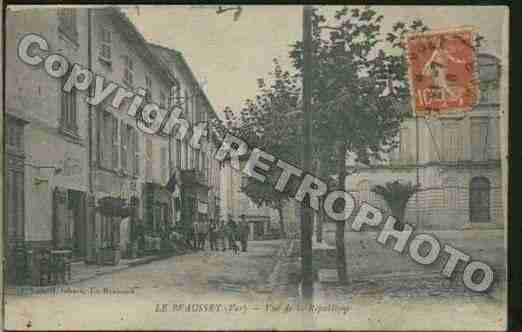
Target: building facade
[(237, 206), (71, 164), (54, 144), (455, 159), (199, 172)]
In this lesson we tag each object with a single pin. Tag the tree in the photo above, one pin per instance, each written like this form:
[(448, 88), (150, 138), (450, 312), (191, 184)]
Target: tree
[(268, 123), (397, 195), (360, 95), (359, 86)]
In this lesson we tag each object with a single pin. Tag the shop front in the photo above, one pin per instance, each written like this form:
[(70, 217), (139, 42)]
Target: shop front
[(114, 211), (194, 201), (158, 208)]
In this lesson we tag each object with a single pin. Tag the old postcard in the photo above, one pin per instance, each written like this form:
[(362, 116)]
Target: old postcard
[(245, 167)]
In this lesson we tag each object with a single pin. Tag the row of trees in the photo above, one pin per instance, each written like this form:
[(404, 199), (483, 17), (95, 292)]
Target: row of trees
[(360, 96)]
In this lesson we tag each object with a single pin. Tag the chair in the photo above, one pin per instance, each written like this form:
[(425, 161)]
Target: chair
[(60, 265), (43, 266)]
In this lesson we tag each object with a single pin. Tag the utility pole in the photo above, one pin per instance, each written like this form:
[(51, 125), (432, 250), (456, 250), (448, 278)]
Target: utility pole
[(306, 211)]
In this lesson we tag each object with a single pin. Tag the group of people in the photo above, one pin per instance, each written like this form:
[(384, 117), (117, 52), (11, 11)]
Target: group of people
[(221, 236)]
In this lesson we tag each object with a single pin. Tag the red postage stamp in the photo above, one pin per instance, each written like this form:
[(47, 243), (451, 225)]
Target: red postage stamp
[(442, 71)]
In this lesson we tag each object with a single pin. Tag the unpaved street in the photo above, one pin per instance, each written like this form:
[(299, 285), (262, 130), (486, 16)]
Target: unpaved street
[(238, 292)]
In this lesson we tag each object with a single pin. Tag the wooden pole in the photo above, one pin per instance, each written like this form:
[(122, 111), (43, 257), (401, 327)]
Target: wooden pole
[(306, 211)]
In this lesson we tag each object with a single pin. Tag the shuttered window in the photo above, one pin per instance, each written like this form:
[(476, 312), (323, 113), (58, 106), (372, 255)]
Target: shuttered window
[(148, 158), (114, 142), (68, 111), (177, 148), (479, 136), (405, 153), (136, 148), (108, 140), (163, 100), (128, 70), (163, 164), (105, 44), (124, 147), (452, 144), (67, 23), (148, 84)]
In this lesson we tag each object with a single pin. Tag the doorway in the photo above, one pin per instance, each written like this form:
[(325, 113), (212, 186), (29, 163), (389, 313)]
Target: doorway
[(76, 207)]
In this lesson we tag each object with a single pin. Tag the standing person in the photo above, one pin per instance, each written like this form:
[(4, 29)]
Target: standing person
[(221, 235), (195, 234), (203, 230), (230, 233), (243, 233), (212, 234)]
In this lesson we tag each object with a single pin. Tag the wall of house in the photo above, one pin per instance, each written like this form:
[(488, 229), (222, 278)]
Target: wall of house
[(452, 150), (443, 201), (35, 96), (108, 182)]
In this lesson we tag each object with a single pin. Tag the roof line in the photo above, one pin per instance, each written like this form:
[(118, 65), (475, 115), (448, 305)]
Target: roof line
[(189, 71), (150, 55)]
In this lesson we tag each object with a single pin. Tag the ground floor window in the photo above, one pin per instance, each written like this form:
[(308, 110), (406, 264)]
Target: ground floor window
[(479, 192)]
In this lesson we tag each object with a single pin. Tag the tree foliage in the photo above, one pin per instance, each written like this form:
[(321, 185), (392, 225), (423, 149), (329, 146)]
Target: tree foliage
[(360, 96), (360, 87), (396, 194)]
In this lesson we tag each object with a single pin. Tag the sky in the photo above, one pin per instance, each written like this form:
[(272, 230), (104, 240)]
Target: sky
[(229, 56)]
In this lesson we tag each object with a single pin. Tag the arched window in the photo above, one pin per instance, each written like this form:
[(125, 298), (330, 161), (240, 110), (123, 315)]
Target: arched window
[(479, 189)]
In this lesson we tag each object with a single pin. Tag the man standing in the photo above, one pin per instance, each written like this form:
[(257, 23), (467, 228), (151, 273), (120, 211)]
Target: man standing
[(203, 229), (221, 235), (243, 233), (195, 234), (230, 233), (212, 234)]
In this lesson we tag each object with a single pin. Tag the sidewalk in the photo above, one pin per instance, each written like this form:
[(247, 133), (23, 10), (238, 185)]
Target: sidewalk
[(81, 271)]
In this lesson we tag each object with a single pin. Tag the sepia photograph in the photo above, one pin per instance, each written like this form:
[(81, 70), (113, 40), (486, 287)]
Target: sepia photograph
[(255, 167)]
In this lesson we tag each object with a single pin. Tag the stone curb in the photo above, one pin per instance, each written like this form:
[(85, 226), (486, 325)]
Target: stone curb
[(122, 267)]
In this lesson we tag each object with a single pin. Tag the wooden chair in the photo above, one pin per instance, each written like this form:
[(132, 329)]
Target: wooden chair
[(42, 261), (60, 265)]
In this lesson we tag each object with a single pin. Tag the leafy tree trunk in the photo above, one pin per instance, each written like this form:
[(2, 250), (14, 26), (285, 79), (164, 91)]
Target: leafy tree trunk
[(399, 214), (282, 228), (319, 220), (340, 225), (321, 170)]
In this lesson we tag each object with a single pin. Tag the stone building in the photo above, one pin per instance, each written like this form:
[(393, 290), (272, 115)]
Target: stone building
[(200, 172), (236, 205), (68, 160), (459, 165), (455, 159), (127, 164), (54, 145)]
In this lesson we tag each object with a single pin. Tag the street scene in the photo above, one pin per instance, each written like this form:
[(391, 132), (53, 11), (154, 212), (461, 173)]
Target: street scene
[(255, 167)]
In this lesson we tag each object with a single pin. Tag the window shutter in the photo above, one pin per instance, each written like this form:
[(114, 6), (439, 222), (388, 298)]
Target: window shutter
[(136, 146), (123, 145), (114, 142), (99, 136), (130, 149)]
